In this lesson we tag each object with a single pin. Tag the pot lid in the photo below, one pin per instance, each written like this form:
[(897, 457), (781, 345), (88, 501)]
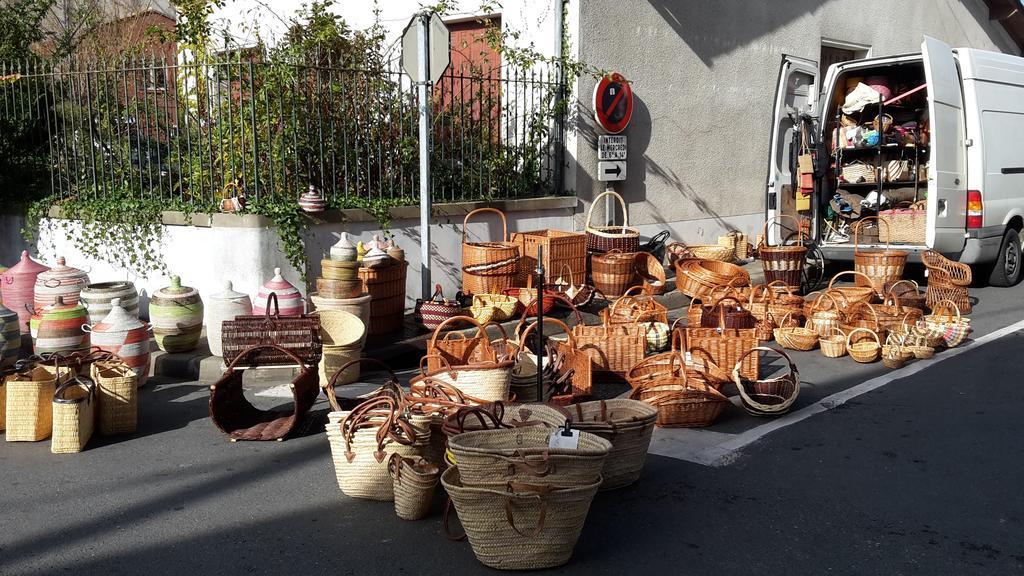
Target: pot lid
[(67, 275), (118, 319), (279, 284), (344, 242), (228, 292), (175, 290), (375, 253), (59, 307), (26, 266), (377, 243)]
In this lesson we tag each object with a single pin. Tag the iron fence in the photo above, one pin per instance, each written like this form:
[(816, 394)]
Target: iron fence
[(186, 129)]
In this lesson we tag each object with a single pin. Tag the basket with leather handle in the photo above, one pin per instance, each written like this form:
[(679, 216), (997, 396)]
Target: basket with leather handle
[(455, 348), (414, 480), (294, 339), (233, 414)]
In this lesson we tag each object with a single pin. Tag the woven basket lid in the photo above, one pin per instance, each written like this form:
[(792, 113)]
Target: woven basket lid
[(175, 290), (344, 243), (278, 284), (64, 274), (118, 319), (26, 266), (60, 307), (228, 293)]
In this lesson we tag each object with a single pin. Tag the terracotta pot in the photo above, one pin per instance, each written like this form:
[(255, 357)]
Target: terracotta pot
[(122, 333), (17, 285)]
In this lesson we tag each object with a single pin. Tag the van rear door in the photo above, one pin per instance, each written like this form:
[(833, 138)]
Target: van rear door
[(947, 164), (797, 93)]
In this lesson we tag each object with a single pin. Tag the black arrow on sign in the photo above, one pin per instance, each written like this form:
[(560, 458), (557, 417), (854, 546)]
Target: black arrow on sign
[(617, 170)]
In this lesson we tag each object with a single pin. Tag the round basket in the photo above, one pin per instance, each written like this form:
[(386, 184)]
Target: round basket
[(608, 238), (921, 352), (498, 306), (908, 292), (769, 396), (614, 272), (877, 266), (855, 319), (782, 263), (833, 345), (678, 251), (822, 320), (954, 328), (865, 351), (489, 267), (795, 337), (852, 294), (681, 404), (339, 270), (697, 278)]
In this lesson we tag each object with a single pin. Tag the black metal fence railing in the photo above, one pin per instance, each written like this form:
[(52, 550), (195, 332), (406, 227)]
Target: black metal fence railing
[(184, 129)]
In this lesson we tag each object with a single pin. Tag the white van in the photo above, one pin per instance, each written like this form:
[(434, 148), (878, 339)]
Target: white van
[(964, 166)]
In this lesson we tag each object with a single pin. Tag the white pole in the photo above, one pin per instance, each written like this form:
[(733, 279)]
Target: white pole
[(424, 95)]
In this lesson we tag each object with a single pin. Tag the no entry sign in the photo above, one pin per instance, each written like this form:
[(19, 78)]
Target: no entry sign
[(613, 103)]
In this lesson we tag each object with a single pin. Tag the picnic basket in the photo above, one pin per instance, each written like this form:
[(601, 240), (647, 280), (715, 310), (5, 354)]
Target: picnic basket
[(608, 238), (877, 266), (785, 263), (489, 267)]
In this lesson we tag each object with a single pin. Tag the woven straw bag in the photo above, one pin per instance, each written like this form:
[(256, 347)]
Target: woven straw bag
[(628, 425), (523, 455), (769, 396), (74, 416), (573, 358), (29, 410), (608, 238), (489, 380), (414, 481), (118, 395), (364, 438), (520, 526), (945, 319)]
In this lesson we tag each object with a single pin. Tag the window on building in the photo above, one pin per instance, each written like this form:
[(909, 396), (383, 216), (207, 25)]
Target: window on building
[(834, 52)]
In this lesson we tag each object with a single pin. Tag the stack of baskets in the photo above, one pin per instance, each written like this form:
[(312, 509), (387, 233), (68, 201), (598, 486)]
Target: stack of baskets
[(613, 272), (698, 278), (386, 287), (523, 494), (340, 286), (343, 335), (489, 267)]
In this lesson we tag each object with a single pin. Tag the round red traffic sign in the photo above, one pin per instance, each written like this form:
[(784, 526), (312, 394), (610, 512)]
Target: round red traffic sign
[(613, 103)]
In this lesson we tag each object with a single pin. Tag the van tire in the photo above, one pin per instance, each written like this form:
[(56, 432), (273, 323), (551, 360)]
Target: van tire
[(1007, 269)]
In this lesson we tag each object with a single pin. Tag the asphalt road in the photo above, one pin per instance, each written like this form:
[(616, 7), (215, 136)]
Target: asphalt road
[(921, 476)]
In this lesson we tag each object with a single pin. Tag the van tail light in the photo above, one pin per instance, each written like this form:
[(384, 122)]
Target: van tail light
[(975, 209)]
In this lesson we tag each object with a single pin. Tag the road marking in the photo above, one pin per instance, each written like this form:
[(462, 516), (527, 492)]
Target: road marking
[(727, 451)]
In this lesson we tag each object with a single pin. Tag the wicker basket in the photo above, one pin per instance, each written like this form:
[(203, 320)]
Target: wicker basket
[(561, 250), (909, 293), (738, 242), (29, 410), (855, 318), (386, 287), (945, 319), (521, 526), (725, 347), (628, 425), (571, 356), (879, 266), (613, 272), (833, 345), (721, 314), (74, 416), (864, 351), (681, 404), (414, 481), (698, 278), (608, 238), (906, 225), (785, 263), (795, 337), (861, 292), (677, 251), (635, 307), (493, 307), (770, 396), (892, 313), (118, 395), (651, 272), (612, 348)]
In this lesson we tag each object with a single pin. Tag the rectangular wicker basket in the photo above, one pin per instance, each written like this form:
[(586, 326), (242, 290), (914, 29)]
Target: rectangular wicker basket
[(905, 226), (561, 249)]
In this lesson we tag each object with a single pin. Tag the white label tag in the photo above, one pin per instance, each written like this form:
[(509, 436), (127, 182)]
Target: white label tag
[(559, 439)]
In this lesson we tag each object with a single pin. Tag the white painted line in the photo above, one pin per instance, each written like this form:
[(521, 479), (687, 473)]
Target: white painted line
[(726, 452)]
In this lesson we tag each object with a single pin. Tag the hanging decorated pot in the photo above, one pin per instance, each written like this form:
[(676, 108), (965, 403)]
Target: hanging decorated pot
[(10, 337), (312, 201), (344, 249), (289, 299), (97, 298), (176, 313), (122, 333), (18, 286), (224, 305), (61, 280), (60, 328)]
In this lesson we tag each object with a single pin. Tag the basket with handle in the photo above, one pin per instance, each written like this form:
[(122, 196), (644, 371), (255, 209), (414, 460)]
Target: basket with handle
[(608, 238), (721, 314), (293, 337), (628, 425), (795, 337), (488, 380), (493, 307), (947, 320), (725, 346), (118, 396), (612, 347), (429, 314), (769, 396), (679, 403), (489, 267), (909, 293), (862, 291), (613, 272), (74, 415), (833, 345), (877, 266), (699, 366), (866, 350), (857, 318), (455, 348), (414, 481), (918, 334), (636, 304), (891, 312), (29, 400), (527, 298), (573, 294), (785, 263), (651, 272), (573, 358), (906, 225)]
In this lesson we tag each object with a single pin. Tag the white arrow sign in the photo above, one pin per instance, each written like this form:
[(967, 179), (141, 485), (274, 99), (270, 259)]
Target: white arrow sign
[(611, 171)]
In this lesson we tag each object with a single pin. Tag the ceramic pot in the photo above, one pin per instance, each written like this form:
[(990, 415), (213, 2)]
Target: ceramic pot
[(60, 328), (97, 298), (312, 201), (176, 313), (289, 299), (10, 337), (60, 281), (18, 287), (121, 332), (344, 250), (224, 305)]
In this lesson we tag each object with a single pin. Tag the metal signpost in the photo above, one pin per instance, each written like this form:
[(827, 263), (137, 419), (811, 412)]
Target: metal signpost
[(426, 54), (613, 109)]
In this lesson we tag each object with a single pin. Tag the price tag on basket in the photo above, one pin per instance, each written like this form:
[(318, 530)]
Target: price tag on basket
[(564, 437)]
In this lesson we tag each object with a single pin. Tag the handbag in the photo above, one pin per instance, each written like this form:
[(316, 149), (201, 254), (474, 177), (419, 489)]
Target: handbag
[(457, 349), (273, 340), (429, 314)]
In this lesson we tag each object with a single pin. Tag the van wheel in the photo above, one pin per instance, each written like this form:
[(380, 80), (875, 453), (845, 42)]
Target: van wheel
[(1007, 270)]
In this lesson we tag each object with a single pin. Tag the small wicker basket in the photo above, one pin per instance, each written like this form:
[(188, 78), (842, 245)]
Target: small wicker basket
[(865, 351), (833, 345)]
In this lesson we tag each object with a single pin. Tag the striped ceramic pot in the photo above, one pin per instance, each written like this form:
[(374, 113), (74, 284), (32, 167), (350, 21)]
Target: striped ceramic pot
[(60, 281), (122, 333), (312, 201), (60, 328), (10, 337), (224, 305), (97, 299), (18, 284), (176, 313), (289, 299)]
